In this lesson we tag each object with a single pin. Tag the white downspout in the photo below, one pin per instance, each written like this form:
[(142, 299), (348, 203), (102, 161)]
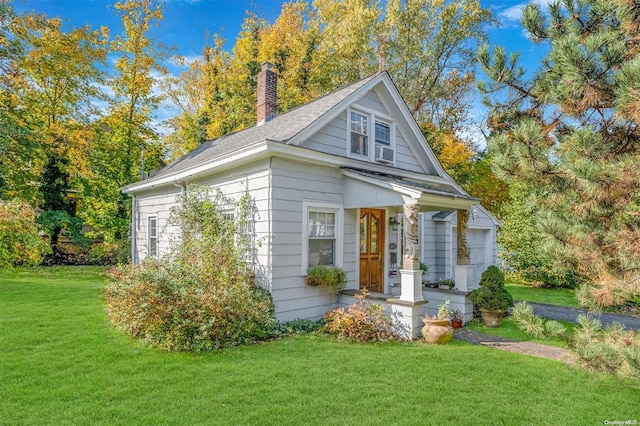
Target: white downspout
[(134, 237)]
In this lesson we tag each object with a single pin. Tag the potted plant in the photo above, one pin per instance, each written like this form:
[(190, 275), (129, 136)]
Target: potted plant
[(424, 268), (492, 299), (332, 278), (446, 283), (456, 318), (438, 329)]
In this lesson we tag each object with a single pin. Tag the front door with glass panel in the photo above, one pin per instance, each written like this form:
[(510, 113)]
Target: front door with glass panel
[(372, 249)]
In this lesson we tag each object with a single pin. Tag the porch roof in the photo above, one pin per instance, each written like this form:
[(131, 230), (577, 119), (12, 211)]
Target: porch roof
[(369, 189)]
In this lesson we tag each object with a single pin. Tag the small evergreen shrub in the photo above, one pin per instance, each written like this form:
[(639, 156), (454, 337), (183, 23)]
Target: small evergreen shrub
[(203, 295), (362, 321), (20, 243), (492, 294)]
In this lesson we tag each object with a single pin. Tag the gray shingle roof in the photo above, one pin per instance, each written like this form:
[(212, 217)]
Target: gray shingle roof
[(426, 188), (281, 129), (442, 214)]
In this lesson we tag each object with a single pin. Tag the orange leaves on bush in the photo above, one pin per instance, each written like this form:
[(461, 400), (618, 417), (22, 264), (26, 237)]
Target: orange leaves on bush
[(362, 321)]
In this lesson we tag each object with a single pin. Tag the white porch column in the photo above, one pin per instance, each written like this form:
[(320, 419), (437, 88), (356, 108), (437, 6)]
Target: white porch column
[(410, 274), (463, 269)]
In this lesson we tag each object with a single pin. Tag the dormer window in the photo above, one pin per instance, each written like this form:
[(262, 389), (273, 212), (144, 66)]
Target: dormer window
[(383, 133), (359, 131), (380, 148)]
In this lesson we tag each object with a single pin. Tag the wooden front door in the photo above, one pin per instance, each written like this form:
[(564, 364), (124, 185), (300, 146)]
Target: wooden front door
[(372, 250)]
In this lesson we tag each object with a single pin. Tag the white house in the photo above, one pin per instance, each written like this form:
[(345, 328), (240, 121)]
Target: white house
[(333, 182)]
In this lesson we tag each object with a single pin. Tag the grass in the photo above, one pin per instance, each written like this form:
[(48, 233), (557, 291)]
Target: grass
[(510, 330), (62, 363), (550, 296)]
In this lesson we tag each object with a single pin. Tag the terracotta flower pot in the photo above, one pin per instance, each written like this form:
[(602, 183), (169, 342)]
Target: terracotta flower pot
[(437, 331), (491, 318), (456, 323)]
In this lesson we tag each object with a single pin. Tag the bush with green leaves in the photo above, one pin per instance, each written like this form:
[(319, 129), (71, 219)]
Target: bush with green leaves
[(492, 294), (20, 243), (201, 296), (520, 239), (361, 321), (299, 326), (332, 278), (110, 253), (612, 348)]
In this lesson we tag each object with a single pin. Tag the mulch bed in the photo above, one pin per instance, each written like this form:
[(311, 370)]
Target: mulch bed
[(528, 348)]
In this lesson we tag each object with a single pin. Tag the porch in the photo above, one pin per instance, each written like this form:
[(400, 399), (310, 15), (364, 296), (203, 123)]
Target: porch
[(389, 245)]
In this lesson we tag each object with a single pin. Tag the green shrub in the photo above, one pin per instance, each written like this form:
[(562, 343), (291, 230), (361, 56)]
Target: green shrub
[(362, 321), (492, 294), (612, 349), (520, 240), (299, 326), (110, 253), (202, 296), (20, 243), (332, 278)]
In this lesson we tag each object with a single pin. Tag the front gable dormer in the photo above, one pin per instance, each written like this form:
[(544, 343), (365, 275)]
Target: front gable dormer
[(373, 125)]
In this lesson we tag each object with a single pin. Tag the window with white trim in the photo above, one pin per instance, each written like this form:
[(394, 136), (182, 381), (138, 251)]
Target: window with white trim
[(152, 228), (383, 133), (322, 239), (228, 215), (359, 132), (364, 122)]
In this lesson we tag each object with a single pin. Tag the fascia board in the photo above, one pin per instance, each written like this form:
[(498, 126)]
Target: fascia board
[(224, 162), (335, 111)]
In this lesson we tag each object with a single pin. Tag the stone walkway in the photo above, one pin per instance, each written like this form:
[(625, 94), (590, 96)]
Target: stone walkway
[(529, 348), (536, 349)]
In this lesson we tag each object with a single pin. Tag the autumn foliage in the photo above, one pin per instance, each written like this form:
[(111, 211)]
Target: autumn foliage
[(202, 296), (362, 321), (20, 243)]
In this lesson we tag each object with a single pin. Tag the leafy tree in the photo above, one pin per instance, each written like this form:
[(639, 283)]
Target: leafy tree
[(470, 168), (571, 130), (429, 50), (20, 243), (125, 135), (423, 44), (17, 149), (60, 72)]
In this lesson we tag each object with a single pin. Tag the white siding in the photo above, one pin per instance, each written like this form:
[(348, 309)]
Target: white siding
[(441, 256), (253, 178), (157, 203), (332, 138), (428, 245), (293, 183), (405, 158)]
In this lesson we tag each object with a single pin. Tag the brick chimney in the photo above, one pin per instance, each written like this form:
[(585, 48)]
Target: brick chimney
[(267, 88)]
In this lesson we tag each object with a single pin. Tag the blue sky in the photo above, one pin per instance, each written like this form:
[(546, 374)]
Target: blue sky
[(186, 22)]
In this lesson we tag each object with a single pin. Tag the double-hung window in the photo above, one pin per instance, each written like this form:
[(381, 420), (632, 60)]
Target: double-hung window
[(381, 146), (383, 133), (359, 131), (322, 236), (153, 236), (384, 151)]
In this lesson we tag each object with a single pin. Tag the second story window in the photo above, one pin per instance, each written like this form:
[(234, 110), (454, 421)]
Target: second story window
[(359, 138), (383, 133)]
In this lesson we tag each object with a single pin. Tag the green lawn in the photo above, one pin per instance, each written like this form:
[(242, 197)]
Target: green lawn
[(550, 296), (510, 330), (62, 363)]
